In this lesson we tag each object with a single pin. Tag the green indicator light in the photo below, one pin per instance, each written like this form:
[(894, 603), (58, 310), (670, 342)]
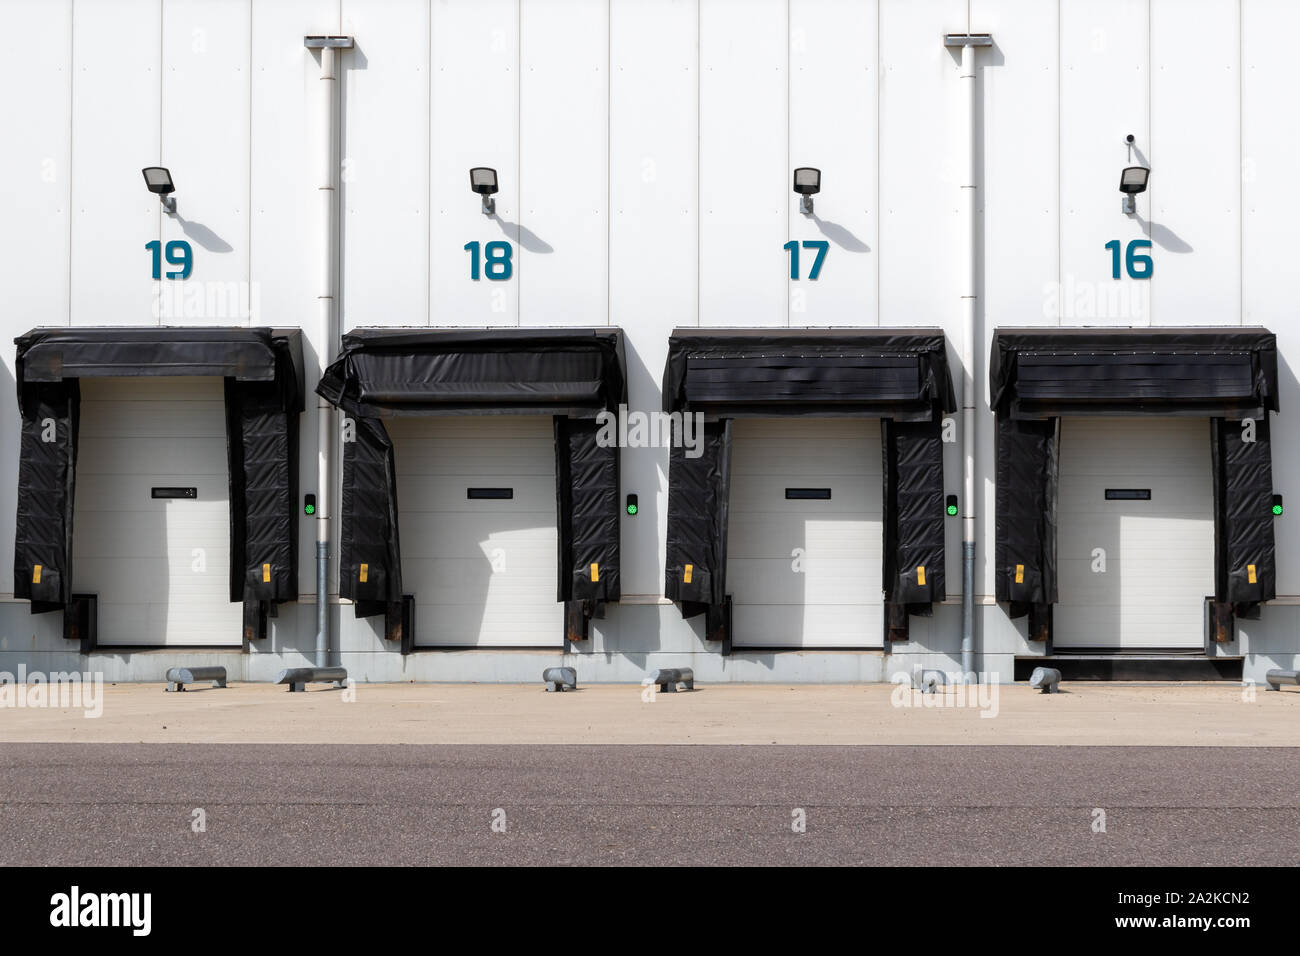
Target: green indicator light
[(952, 511), (309, 505), (631, 509), (1277, 506), (1277, 509), (310, 509), (950, 506), (632, 505)]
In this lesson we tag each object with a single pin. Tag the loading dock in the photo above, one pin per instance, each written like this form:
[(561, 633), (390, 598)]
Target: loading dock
[(478, 529), (1158, 442), (804, 541), (758, 541), (160, 565), (1136, 534), (186, 443), (508, 530)]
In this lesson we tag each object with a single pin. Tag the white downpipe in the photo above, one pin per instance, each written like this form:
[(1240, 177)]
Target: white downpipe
[(968, 353), (327, 334)]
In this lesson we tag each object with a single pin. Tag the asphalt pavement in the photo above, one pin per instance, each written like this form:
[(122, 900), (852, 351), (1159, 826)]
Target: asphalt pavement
[(76, 805)]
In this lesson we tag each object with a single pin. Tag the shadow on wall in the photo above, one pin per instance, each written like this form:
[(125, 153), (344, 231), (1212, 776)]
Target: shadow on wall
[(204, 236), (529, 240), (839, 235), (1163, 236)]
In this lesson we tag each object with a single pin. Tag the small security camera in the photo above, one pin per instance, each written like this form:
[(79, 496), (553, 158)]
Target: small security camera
[(1129, 139)]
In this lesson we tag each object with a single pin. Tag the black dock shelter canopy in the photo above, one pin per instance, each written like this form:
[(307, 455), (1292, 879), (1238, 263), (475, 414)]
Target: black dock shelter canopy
[(1228, 374), (262, 368), (897, 375), (570, 374)]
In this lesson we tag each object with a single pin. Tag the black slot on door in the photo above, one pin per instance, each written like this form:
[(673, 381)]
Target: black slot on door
[(808, 494), (173, 492), (489, 494), (1128, 494)]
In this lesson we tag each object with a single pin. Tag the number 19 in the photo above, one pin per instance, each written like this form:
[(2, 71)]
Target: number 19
[(178, 252)]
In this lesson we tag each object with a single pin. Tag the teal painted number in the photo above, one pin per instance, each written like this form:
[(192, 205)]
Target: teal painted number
[(1138, 265), (792, 247), (493, 260), (177, 252)]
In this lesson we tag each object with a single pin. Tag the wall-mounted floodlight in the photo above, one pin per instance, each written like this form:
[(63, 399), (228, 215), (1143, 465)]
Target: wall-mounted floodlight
[(483, 181), (807, 183), (1132, 180), (159, 181)]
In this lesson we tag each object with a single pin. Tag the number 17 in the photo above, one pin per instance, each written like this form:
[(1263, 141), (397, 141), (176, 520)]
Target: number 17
[(821, 245)]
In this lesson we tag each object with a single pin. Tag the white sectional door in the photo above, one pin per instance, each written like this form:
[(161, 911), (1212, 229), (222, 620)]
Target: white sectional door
[(805, 572), (161, 567), (482, 569), (1157, 554)]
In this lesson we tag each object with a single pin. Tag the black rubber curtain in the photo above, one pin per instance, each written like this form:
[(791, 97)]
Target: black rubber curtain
[(913, 564), (263, 372), (698, 493), (370, 552), (1226, 374), (47, 477), (1245, 557), (569, 374), (898, 375), (586, 493)]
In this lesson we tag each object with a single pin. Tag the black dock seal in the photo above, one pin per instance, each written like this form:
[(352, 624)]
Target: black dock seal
[(1227, 374), (263, 374), (897, 375), (569, 374)]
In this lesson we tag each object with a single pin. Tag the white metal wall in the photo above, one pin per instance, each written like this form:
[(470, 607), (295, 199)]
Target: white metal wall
[(644, 149)]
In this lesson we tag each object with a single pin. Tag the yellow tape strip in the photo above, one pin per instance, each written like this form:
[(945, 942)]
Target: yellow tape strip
[(686, 577), (266, 574), (920, 574), (1020, 574), (595, 572), (36, 574), (365, 572), (1250, 572)]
